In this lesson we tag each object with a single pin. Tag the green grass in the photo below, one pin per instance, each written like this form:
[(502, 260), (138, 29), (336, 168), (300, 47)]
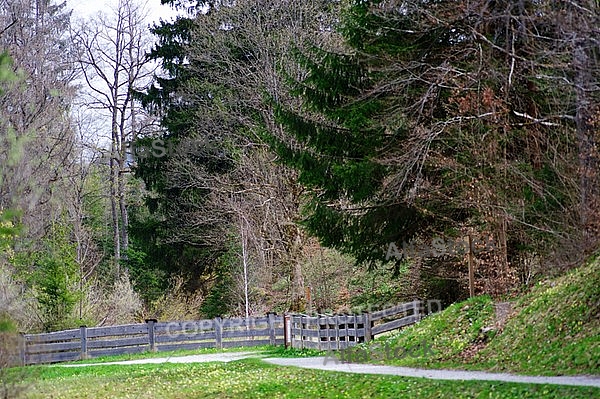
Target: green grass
[(252, 378), (282, 351), (447, 333), (555, 330)]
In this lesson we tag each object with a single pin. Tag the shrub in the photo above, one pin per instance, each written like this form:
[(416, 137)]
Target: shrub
[(177, 303)]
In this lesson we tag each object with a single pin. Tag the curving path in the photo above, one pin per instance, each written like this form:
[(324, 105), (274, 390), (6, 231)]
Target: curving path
[(331, 363)]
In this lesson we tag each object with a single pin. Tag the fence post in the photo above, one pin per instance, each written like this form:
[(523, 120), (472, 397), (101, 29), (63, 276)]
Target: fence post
[(331, 331), (471, 272), (23, 349), (367, 319), (336, 320), (438, 305), (218, 332), (417, 306), (287, 330), (151, 334), (271, 317), (355, 324), (347, 334), (84, 346), (319, 332), (301, 332)]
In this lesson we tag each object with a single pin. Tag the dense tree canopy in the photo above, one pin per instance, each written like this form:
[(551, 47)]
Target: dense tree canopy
[(309, 155), (435, 120)]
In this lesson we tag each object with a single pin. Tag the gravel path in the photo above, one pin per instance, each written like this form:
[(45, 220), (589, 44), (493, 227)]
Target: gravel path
[(333, 364)]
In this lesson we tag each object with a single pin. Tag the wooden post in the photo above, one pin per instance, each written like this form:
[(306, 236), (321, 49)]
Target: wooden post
[(151, 334), (84, 348), (332, 328), (471, 272), (297, 332), (319, 333), (417, 307), (301, 332), (346, 337), (23, 349), (287, 330), (354, 323), (324, 330), (367, 319), (271, 317), (337, 331), (218, 332)]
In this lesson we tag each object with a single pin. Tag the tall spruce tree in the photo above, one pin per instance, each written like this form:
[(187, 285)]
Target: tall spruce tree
[(432, 122), (153, 231), (213, 105)]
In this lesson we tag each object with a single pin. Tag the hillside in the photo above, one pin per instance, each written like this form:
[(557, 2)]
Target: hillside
[(553, 329)]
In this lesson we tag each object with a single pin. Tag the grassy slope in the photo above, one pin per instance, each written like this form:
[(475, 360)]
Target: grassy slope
[(555, 329), (252, 378)]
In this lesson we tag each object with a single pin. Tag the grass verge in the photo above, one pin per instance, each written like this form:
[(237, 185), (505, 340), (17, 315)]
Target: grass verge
[(252, 378)]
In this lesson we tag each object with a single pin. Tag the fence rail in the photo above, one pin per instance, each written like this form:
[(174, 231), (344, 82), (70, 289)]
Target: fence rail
[(324, 332), (91, 342)]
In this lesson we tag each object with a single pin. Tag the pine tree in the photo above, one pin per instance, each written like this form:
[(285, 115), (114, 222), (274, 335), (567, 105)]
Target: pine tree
[(432, 121), (153, 232), (346, 131)]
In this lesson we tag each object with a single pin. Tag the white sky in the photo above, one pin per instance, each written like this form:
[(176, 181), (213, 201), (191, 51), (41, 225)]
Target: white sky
[(86, 8)]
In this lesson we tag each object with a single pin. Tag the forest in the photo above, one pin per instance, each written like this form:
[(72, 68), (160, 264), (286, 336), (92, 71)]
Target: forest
[(318, 156)]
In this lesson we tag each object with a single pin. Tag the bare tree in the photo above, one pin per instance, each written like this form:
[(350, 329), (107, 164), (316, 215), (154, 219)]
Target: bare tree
[(113, 65), (34, 111), (85, 192)]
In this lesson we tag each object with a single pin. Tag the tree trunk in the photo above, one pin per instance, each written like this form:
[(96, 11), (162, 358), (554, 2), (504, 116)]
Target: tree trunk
[(299, 300), (123, 208), (114, 176), (587, 146), (245, 265)]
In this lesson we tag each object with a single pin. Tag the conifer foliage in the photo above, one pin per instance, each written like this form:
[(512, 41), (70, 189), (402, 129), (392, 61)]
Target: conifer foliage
[(437, 119)]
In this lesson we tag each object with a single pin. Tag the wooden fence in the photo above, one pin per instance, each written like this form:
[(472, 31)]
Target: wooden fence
[(325, 332), (84, 342), (298, 331)]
